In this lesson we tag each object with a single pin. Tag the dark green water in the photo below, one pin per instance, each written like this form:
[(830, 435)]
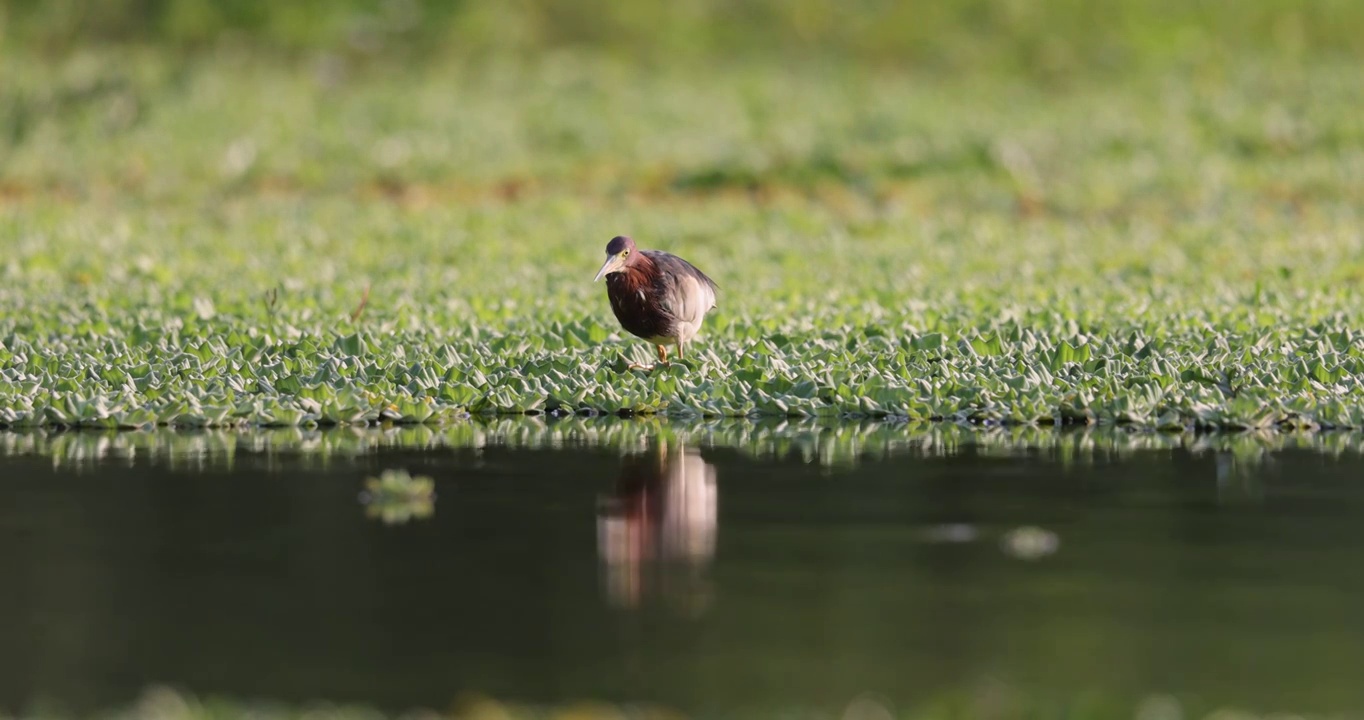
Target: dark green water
[(743, 570)]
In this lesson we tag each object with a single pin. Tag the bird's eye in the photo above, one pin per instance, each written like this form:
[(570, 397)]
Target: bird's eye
[(624, 253)]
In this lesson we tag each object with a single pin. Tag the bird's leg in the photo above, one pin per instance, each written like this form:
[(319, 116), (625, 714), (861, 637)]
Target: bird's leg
[(662, 360)]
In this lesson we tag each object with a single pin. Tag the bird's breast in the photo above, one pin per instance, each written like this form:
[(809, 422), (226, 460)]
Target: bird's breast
[(634, 305)]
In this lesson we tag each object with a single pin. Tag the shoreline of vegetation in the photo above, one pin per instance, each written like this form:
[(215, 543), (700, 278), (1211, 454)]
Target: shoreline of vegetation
[(831, 444)]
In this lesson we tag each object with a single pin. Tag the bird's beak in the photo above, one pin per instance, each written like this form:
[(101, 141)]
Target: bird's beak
[(612, 264)]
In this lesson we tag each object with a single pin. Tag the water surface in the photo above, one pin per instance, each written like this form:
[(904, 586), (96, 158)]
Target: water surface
[(722, 569)]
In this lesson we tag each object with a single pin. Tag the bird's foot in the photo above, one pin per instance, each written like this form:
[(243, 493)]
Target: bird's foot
[(650, 367)]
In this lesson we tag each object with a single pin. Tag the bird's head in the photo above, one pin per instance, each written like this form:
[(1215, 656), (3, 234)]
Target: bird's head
[(620, 252)]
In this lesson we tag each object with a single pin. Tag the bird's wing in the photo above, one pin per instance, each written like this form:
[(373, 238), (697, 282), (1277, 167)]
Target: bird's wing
[(688, 293)]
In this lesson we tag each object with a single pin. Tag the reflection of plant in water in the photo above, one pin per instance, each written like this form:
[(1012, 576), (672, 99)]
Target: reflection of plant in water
[(658, 526), (397, 497), (1240, 459), (829, 442)]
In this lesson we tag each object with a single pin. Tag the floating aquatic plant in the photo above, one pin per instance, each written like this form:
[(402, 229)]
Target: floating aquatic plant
[(1177, 265), (396, 497)]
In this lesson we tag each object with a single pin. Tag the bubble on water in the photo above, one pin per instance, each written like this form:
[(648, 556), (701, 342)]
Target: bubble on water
[(1030, 542), (952, 533)]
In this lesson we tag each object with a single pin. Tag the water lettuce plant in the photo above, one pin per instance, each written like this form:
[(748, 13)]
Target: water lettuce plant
[(234, 243)]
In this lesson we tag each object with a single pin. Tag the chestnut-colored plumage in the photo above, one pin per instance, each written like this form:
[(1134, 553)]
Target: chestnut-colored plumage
[(656, 295)]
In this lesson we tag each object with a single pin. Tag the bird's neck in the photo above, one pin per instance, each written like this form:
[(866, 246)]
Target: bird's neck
[(636, 273)]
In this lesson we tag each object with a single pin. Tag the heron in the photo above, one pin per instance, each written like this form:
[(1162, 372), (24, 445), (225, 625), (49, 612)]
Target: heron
[(656, 295)]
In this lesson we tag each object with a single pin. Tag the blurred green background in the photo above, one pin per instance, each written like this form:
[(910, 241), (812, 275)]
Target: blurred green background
[(1033, 37), (592, 96)]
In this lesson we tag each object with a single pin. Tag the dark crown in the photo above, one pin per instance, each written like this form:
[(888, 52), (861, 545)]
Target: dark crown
[(618, 244)]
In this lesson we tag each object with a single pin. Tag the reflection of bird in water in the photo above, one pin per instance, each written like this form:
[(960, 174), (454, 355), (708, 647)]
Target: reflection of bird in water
[(658, 527)]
